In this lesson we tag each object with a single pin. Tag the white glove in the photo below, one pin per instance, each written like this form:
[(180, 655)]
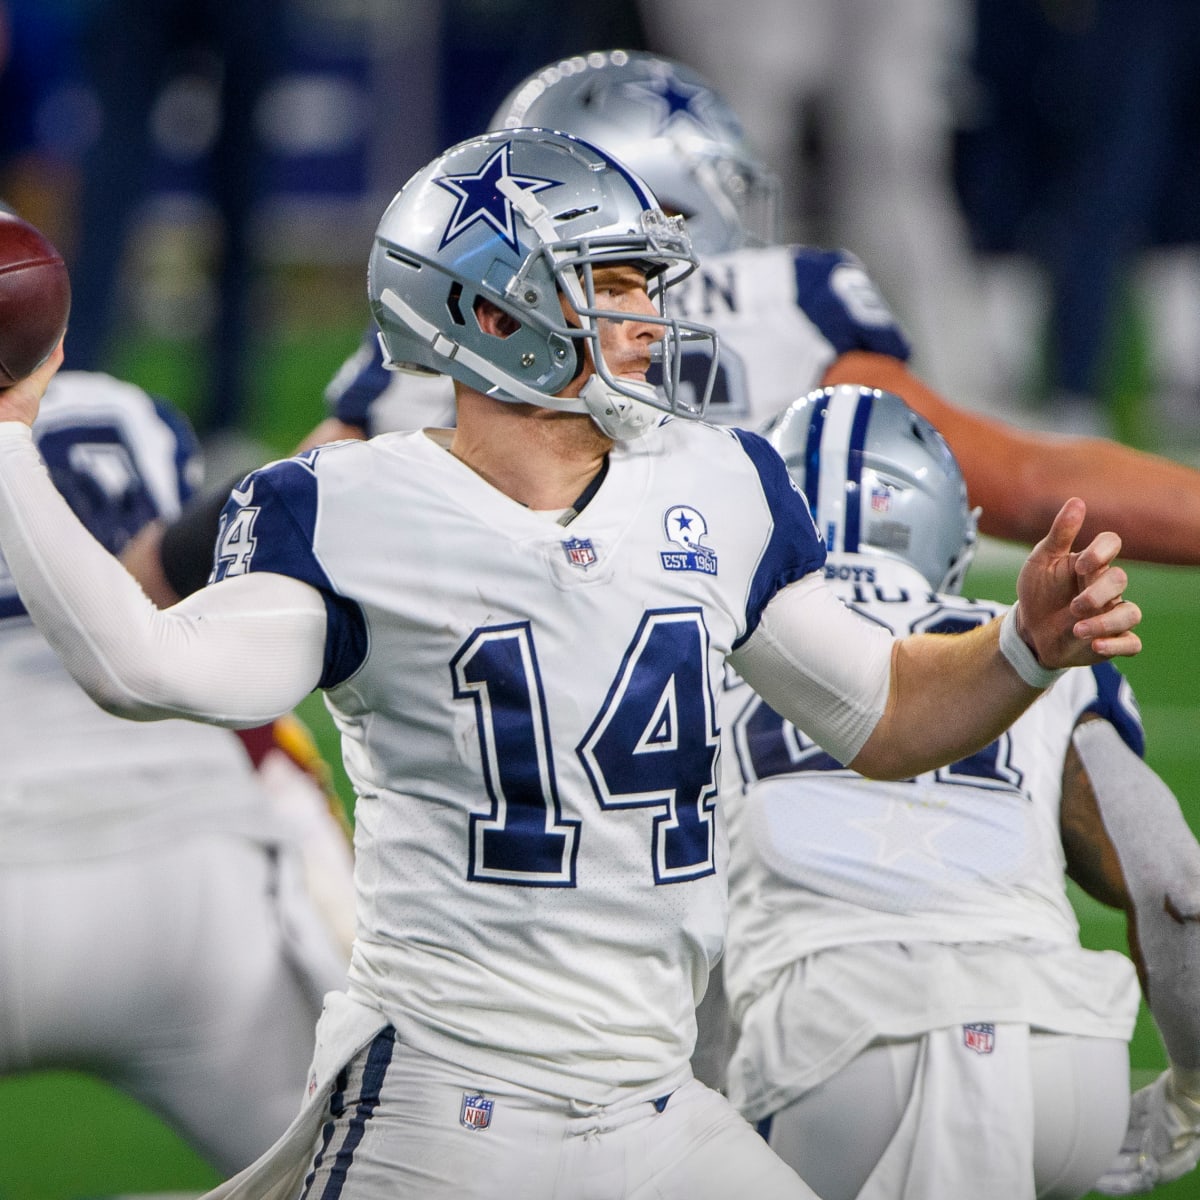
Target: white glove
[(1162, 1141)]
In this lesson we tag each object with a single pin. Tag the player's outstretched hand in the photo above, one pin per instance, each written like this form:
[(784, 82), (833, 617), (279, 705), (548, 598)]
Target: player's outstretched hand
[(1071, 606), (1162, 1142), (19, 401)]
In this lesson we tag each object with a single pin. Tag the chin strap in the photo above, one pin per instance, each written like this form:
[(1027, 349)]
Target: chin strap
[(538, 219), (618, 416)]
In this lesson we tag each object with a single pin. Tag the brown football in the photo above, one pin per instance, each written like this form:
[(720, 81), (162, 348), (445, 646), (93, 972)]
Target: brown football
[(35, 298)]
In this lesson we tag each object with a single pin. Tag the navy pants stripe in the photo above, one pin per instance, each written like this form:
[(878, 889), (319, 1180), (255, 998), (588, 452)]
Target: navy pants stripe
[(379, 1057)]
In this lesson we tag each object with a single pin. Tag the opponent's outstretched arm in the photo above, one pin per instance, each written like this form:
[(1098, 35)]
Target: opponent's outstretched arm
[(1021, 478)]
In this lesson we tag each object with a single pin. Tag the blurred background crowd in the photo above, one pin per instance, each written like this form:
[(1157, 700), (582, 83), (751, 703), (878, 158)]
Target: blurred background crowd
[(1019, 176)]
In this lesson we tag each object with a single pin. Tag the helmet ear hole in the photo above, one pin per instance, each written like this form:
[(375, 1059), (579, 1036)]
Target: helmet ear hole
[(491, 318)]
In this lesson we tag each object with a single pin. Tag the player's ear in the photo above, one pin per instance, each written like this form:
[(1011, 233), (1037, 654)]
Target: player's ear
[(494, 320)]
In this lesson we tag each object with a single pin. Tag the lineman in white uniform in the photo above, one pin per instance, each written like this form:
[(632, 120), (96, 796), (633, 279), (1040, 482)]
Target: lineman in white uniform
[(155, 930), (916, 1017), (521, 627)]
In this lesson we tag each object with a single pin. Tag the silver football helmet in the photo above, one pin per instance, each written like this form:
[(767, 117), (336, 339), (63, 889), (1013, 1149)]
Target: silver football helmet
[(666, 123), (879, 480), (518, 218)]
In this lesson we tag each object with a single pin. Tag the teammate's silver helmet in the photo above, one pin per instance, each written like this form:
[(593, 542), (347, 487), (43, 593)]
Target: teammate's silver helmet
[(517, 218), (879, 479), (666, 123)]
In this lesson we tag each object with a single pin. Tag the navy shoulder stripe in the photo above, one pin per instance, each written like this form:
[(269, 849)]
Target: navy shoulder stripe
[(795, 548)]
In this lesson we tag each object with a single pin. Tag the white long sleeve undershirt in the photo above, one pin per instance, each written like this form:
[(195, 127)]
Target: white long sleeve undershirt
[(819, 665), (239, 653)]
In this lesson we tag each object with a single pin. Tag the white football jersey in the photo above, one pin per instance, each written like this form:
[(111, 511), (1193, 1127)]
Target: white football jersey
[(915, 904), (783, 314), (76, 780), (528, 714)]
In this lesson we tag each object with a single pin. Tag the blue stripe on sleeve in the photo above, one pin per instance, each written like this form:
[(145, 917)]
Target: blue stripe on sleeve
[(11, 605), (273, 530), (359, 383), (187, 448), (795, 548), (870, 328), (1116, 704), (812, 454)]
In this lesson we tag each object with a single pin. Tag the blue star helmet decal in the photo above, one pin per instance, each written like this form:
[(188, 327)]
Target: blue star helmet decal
[(674, 100), (480, 199)]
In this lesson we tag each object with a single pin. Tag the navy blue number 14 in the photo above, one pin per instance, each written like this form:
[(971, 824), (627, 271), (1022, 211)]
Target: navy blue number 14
[(653, 745)]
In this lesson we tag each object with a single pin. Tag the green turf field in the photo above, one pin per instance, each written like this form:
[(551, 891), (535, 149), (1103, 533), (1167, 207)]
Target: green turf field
[(66, 1137)]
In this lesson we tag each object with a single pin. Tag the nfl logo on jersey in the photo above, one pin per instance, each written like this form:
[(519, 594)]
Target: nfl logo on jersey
[(881, 497), (476, 1111), (980, 1038), (579, 551)]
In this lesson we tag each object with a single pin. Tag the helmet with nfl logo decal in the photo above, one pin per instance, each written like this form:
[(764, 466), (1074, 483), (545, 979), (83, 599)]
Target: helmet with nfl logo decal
[(519, 219), (879, 479), (667, 123)]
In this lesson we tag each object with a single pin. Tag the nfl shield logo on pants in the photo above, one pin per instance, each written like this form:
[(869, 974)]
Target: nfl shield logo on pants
[(476, 1111), (980, 1038)]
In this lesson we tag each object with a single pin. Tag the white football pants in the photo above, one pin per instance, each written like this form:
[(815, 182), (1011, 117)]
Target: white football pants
[(406, 1126), (1032, 1115)]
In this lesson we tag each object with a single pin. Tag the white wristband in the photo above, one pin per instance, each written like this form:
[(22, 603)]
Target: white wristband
[(1020, 657), (18, 431)]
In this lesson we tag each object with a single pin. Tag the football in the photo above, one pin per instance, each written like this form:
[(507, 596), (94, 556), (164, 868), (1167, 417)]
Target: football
[(35, 298)]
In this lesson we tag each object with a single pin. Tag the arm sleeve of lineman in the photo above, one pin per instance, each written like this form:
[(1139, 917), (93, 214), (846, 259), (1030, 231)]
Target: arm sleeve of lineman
[(1161, 863), (238, 654), (1160, 860)]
